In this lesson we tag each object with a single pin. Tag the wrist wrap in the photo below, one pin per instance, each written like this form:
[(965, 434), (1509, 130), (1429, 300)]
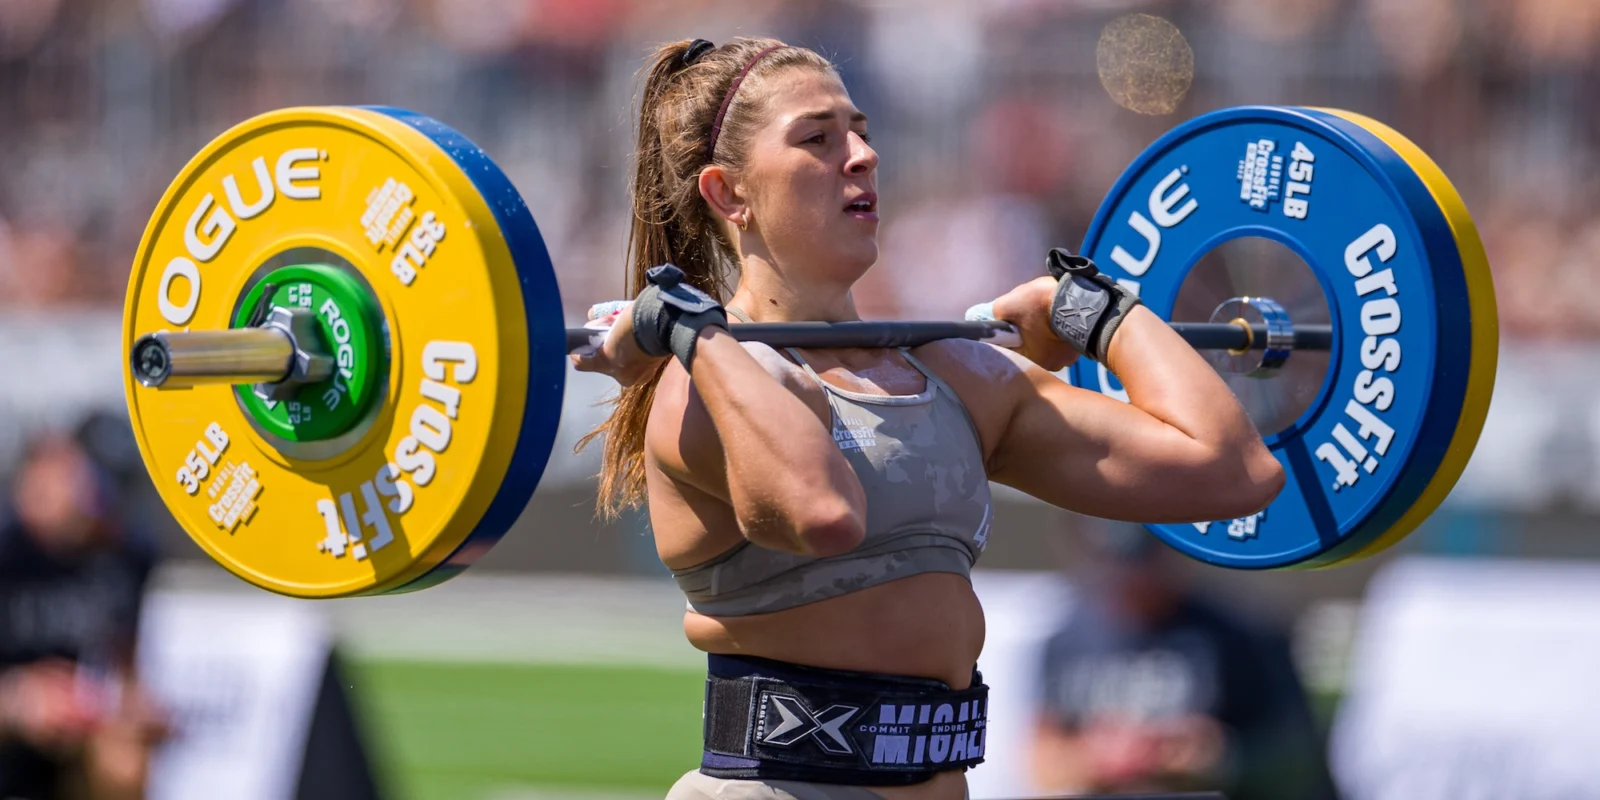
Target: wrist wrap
[(669, 314), (1088, 306)]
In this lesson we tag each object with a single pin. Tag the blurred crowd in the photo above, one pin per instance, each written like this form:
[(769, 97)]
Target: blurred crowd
[(997, 135)]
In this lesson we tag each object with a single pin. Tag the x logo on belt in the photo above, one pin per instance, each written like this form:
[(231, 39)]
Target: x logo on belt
[(795, 721)]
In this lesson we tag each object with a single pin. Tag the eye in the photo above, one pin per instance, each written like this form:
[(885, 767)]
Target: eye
[(865, 137), (817, 138)]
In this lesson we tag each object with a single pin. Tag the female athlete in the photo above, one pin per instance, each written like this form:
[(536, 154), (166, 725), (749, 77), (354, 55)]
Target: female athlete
[(822, 510)]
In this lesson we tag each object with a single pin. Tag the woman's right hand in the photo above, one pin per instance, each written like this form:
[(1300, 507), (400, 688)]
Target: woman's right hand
[(1028, 308), (619, 356)]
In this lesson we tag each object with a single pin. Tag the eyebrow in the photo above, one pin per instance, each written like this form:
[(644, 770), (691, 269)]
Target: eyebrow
[(824, 116)]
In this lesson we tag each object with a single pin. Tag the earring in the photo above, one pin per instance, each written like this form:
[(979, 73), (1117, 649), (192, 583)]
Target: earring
[(744, 222)]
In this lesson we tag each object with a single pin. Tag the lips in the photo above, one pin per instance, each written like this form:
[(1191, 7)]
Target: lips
[(865, 203)]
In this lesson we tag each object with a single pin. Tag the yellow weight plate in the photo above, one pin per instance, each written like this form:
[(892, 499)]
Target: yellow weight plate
[(1485, 331), (383, 506)]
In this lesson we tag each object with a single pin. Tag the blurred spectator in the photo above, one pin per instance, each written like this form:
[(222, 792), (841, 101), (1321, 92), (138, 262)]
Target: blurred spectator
[(74, 721), (1149, 686)]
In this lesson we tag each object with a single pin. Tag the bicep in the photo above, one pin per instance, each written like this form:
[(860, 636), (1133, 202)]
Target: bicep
[(1087, 452)]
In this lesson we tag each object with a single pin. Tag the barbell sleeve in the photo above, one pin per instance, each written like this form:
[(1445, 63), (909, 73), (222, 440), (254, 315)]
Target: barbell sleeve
[(236, 356)]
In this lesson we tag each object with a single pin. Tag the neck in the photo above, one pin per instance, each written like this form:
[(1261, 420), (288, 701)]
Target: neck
[(767, 294)]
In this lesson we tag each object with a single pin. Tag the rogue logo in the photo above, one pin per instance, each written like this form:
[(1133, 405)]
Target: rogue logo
[(786, 720), (211, 226)]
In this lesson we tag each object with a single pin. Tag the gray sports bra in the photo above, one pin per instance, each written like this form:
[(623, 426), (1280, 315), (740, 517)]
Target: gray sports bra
[(928, 506)]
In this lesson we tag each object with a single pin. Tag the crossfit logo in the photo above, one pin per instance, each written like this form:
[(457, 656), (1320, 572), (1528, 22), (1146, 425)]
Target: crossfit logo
[(238, 502), (1260, 174), (786, 720), (1371, 392), (1261, 183), (853, 434), (388, 213)]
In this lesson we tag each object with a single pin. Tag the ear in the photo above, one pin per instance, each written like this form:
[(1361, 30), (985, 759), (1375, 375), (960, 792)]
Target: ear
[(723, 194)]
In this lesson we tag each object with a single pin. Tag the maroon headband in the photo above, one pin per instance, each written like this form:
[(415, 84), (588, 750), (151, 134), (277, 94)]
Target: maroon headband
[(716, 126)]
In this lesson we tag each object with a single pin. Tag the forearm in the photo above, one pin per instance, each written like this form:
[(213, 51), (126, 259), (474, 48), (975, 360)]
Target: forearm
[(790, 487), (1168, 379)]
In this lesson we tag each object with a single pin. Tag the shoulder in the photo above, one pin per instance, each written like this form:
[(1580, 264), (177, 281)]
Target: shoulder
[(988, 380), (965, 359), (781, 367)]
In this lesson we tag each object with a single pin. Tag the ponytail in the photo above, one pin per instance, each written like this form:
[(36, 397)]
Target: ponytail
[(689, 88)]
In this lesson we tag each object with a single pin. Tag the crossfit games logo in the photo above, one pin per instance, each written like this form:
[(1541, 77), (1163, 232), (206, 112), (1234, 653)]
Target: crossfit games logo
[(786, 720), (388, 213), (853, 434), (1260, 174)]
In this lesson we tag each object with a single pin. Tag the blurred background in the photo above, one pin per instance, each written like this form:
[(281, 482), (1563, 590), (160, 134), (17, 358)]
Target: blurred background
[(556, 668)]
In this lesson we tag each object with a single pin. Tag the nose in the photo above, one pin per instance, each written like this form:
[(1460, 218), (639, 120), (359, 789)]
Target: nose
[(863, 159)]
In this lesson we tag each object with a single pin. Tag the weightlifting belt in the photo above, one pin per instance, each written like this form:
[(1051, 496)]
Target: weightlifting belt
[(771, 719)]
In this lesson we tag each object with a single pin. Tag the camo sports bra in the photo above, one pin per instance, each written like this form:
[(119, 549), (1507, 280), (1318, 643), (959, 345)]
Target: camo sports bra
[(928, 505)]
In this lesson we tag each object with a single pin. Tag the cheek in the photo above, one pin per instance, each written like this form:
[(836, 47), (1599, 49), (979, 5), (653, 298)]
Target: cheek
[(804, 197)]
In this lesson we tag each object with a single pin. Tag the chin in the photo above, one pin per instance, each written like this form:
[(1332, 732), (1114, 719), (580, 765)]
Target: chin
[(854, 265), (857, 257)]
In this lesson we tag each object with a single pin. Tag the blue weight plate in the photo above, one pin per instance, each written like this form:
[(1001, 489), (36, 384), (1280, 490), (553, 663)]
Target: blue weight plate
[(1367, 445), (547, 355)]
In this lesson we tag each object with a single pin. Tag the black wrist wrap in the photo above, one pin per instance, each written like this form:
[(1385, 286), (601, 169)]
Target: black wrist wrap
[(669, 314), (1088, 306)]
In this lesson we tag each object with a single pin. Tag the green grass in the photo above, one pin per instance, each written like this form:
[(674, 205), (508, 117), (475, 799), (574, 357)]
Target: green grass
[(463, 731)]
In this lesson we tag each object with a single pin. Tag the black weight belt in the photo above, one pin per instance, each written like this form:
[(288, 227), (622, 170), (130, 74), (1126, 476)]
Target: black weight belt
[(781, 721)]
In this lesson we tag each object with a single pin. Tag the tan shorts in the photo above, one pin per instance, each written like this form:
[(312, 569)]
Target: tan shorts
[(696, 786)]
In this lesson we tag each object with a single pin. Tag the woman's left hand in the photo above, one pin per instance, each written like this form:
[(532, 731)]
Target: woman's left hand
[(619, 356), (1028, 308)]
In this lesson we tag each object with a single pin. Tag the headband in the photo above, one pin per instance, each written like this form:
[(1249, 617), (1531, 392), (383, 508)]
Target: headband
[(716, 126)]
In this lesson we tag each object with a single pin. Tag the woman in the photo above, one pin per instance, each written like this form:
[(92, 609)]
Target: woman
[(822, 510)]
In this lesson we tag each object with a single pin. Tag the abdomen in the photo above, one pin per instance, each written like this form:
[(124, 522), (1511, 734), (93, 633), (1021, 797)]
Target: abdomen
[(925, 626)]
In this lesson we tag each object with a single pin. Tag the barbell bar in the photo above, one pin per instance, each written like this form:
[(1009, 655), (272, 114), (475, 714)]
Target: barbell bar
[(267, 355)]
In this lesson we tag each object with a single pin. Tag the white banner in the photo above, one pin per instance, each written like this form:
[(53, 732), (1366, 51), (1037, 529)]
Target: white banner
[(1474, 679), (240, 675)]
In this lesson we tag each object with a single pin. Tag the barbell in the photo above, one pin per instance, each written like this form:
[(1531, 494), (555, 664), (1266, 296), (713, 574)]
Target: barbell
[(347, 349)]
